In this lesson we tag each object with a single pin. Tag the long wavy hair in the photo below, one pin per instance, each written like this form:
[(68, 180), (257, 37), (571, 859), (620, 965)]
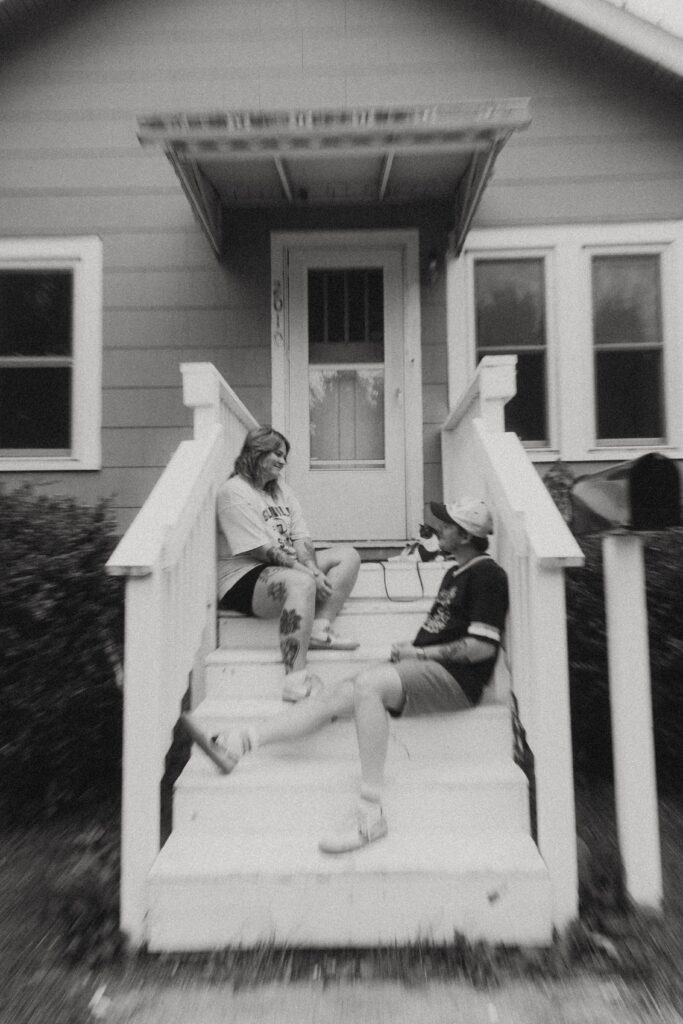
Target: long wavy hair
[(259, 442)]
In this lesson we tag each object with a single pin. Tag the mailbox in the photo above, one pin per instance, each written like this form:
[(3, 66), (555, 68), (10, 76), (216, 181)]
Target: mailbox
[(644, 494)]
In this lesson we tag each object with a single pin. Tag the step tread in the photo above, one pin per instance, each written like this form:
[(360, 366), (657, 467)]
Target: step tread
[(360, 606), (196, 855), (213, 708), (257, 772), (271, 655)]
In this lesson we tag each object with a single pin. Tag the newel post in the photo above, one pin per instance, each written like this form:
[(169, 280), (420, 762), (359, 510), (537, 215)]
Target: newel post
[(202, 393), (635, 782)]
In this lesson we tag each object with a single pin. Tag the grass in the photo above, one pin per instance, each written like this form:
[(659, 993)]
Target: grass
[(39, 981)]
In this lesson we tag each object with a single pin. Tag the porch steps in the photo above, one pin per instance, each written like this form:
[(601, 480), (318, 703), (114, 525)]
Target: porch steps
[(242, 865)]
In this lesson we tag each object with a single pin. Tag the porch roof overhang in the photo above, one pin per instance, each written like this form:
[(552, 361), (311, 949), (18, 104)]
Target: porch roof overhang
[(329, 157)]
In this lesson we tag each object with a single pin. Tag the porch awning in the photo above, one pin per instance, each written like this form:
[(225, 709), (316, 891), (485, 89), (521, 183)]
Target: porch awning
[(350, 156)]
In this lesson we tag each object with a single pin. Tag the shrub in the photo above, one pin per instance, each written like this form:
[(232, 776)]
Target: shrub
[(588, 656), (85, 898), (61, 629)]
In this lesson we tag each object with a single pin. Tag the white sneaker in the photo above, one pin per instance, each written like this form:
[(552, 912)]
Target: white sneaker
[(368, 825), (225, 752), (327, 640)]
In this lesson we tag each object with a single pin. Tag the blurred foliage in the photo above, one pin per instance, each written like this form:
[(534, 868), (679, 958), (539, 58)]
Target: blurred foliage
[(589, 685), (84, 898), (61, 643)]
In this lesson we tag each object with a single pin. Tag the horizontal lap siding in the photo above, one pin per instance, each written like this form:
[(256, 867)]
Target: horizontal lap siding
[(602, 147)]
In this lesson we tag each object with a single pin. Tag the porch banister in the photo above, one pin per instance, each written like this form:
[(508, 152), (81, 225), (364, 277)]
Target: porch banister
[(213, 401), (534, 545), (168, 556)]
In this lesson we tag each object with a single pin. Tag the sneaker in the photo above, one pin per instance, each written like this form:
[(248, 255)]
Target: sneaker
[(327, 640), (367, 827), (298, 686), (225, 753)]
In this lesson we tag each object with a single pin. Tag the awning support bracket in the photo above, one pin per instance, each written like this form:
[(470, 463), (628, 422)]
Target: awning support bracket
[(203, 198)]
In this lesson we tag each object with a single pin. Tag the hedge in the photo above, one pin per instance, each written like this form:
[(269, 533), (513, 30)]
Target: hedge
[(61, 638), (588, 667)]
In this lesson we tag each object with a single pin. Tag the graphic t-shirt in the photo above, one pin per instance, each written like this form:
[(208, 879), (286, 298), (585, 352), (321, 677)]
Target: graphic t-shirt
[(472, 601), (248, 518)]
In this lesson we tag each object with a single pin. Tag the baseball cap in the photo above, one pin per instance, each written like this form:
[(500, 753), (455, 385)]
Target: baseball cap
[(471, 514)]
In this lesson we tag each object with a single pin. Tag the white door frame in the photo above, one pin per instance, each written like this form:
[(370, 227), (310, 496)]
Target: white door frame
[(407, 241)]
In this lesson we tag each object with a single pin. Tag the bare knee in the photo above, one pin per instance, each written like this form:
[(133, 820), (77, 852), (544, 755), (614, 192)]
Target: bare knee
[(299, 588)]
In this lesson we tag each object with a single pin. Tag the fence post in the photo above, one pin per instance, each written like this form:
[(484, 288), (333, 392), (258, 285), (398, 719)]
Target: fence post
[(635, 781)]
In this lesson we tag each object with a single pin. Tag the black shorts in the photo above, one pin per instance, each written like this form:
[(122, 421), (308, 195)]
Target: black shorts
[(239, 597)]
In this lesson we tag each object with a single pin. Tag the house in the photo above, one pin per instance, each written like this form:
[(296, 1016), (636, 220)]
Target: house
[(408, 187)]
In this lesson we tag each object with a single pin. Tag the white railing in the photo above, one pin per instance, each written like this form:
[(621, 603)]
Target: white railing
[(168, 557), (534, 545)]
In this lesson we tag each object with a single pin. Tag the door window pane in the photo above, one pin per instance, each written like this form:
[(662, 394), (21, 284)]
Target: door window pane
[(510, 318), (346, 417), (628, 346), (346, 315), (346, 368)]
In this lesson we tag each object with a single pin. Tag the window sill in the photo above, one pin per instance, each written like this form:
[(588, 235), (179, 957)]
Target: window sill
[(41, 464)]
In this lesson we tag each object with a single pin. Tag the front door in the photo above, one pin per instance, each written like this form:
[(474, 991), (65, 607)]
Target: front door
[(346, 394)]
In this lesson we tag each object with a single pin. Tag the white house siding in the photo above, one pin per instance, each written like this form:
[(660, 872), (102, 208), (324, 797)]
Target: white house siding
[(603, 146)]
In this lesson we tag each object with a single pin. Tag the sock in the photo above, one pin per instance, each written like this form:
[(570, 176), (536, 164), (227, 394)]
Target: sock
[(296, 677)]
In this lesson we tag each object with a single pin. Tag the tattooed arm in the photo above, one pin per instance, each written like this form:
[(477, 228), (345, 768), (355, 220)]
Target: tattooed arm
[(467, 650), (272, 555)]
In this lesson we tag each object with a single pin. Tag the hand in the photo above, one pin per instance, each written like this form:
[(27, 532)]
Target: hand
[(323, 587), (400, 652)]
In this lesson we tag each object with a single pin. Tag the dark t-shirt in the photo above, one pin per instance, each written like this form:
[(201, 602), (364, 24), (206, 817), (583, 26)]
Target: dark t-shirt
[(472, 601)]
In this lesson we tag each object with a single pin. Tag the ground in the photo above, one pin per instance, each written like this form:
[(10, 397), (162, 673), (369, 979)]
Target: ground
[(628, 972)]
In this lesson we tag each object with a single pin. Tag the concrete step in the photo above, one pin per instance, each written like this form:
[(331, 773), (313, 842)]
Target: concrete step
[(369, 621), (207, 891), (473, 737), (270, 796)]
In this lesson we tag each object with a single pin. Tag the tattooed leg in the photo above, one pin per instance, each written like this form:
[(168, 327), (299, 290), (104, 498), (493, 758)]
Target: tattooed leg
[(290, 595)]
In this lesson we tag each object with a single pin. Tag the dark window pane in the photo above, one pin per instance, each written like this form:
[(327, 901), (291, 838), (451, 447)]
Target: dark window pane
[(525, 414), (316, 307), (629, 394), (510, 303), (357, 309), (376, 305), (626, 300), (35, 407), (346, 315), (36, 311), (336, 306)]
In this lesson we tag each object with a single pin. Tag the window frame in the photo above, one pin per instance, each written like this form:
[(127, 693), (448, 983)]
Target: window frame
[(545, 255), (83, 256), (569, 249)]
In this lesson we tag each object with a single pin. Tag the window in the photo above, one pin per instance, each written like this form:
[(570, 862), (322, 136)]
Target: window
[(510, 317), (593, 314), (50, 353), (627, 339)]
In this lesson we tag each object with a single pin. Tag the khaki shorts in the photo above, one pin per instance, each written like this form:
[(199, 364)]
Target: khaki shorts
[(429, 688)]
